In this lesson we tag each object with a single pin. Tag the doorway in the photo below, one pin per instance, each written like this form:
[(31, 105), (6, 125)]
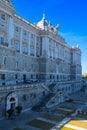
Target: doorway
[(11, 101), (24, 78)]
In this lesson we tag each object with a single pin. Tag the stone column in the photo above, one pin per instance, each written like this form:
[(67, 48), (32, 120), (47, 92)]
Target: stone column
[(43, 46), (21, 40), (52, 49), (56, 51), (34, 45), (47, 46), (29, 36), (10, 30)]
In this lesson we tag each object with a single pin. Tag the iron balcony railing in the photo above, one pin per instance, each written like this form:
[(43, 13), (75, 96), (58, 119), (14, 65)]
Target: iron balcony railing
[(4, 44)]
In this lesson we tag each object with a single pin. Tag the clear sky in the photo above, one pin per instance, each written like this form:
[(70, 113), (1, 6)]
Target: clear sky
[(70, 14)]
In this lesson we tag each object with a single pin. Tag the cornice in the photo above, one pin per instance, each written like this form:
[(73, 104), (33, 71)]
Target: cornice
[(7, 8)]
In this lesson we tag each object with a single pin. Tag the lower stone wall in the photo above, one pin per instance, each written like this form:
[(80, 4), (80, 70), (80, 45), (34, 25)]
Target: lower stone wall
[(68, 86), (29, 95), (23, 95)]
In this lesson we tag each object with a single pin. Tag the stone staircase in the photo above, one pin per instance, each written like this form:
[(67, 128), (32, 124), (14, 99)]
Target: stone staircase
[(42, 104), (51, 86)]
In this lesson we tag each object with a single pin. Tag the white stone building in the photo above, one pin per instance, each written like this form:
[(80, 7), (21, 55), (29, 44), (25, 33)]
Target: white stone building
[(36, 53)]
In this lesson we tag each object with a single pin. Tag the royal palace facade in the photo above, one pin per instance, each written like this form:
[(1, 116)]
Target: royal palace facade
[(34, 53)]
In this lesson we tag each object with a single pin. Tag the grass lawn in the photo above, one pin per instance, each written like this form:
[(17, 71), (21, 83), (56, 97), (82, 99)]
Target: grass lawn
[(66, 128), (68, 106), (81, 116), (53, 117), (64, 112), (79, 123), (40, 124)]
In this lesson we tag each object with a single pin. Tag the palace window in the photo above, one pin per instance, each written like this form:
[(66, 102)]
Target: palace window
[(3, 60), (3, 16), (25, 33), (50, 76), (1, 40), (16, 29), (17, 64), (16, 76), (17, 47), (32, 52), (3, 76), (24, 97), (32, 35), (57, 77), (32, 76), (25, 50)]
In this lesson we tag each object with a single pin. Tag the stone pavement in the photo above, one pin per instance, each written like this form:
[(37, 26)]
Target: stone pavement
[(19, 121), (59, 125)]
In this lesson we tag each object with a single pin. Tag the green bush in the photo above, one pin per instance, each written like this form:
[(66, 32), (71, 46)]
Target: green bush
[(18, 109), (10, 112)]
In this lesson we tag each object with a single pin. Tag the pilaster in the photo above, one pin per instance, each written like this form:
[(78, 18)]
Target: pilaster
[(35, 45), (29, 35), (10, 30), (21, 40)]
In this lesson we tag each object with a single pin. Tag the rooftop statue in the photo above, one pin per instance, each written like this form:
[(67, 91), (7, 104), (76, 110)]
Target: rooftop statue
[(8, 1), (45, 25)]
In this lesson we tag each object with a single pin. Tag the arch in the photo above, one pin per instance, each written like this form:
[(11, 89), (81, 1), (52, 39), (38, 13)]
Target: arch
[(11, 101)]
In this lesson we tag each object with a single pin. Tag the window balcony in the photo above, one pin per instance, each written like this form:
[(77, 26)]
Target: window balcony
[(18, 51), (2, 27), (58, 60), (25, 53), (4, 44)]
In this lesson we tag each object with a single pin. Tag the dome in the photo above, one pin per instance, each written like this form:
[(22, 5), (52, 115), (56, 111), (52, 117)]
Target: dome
[(43, 23)]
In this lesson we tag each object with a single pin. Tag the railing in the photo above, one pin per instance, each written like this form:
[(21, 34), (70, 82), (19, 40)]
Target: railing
[(25, 53), (4, 44), (3, 27)]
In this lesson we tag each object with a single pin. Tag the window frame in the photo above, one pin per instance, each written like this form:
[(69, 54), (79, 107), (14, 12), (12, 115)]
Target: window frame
[(3, 16)]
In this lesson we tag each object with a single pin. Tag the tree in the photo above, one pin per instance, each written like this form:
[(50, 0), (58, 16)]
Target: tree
[(85, 75)]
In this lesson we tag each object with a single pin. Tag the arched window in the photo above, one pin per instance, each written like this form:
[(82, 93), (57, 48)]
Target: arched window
[(12, 99), (1, 40)]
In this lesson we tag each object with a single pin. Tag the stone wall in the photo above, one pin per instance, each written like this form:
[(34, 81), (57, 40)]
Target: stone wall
[(24, 95)]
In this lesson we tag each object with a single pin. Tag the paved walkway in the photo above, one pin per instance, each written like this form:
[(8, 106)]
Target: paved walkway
[(19, 121), (60, 108), (59, 125), (47, 120)]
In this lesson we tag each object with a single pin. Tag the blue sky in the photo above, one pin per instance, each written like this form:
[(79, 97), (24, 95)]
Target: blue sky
[(70, 14)]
